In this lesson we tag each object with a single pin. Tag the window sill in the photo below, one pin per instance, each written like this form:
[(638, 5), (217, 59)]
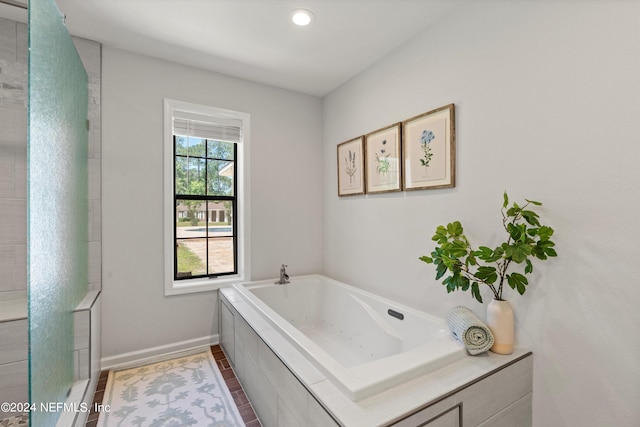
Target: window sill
[(181, 287)]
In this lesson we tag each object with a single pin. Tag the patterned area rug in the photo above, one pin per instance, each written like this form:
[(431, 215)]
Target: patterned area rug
[(18, 420), (187, 391)]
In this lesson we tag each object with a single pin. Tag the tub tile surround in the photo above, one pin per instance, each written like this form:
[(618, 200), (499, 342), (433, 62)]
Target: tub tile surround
[(496, 389)]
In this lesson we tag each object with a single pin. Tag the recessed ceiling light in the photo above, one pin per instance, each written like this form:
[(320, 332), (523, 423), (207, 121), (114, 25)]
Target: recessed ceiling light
[(301, 17)]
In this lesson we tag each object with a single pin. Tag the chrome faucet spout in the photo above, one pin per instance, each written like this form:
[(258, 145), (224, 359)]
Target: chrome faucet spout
[(284, 277)]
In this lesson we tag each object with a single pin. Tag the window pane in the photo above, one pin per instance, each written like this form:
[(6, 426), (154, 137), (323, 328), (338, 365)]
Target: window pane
[(190, 176), (220, 178), (220, 150), (182, 148), (181, 175), (221, 255), (196, 147), (221, 231), (191, 255), (190, 146), (191, 216), (219, 216)]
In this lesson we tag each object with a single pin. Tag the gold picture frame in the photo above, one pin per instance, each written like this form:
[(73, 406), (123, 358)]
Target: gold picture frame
[(384, 160), (428, 145), (351, 176)]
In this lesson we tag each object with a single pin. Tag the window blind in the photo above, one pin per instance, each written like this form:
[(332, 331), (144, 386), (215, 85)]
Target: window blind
[(189, 124)]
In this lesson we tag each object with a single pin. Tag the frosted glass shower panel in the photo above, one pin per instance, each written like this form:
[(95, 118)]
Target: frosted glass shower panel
[(57, 204)]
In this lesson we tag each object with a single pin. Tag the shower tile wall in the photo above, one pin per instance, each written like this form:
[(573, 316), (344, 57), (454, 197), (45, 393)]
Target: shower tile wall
[(13, 201), (13, 212), (13, 158)]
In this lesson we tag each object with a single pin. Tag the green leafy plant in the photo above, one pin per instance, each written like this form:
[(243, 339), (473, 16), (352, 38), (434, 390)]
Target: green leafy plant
[(467, 268)]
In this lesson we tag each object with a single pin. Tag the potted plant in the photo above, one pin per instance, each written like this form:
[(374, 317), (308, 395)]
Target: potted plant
[(465, 268)]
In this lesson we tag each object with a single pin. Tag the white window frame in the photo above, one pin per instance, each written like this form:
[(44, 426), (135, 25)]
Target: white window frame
[(186, 286)]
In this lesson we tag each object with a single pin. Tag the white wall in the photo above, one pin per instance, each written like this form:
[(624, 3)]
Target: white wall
[(547, 101), (286, 186)]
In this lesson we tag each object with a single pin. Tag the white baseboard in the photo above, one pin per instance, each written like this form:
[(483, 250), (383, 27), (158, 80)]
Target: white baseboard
[(156, 354)]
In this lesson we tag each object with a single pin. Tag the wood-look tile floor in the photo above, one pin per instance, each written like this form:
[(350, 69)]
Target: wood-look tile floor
[(242, 402)]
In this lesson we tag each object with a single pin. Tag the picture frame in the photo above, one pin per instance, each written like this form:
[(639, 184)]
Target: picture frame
[(351, 175), (384, 159), (428, 145)]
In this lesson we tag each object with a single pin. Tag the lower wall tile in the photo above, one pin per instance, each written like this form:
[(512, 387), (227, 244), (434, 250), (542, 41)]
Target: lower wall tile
[(14, 378), (14, 343)]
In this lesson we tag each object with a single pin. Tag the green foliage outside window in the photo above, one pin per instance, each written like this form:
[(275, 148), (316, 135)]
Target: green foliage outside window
[(199, 163)]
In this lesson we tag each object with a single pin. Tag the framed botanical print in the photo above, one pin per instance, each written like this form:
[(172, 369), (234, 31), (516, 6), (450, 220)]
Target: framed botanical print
[(351, 167), (428, 144), (383, 160)]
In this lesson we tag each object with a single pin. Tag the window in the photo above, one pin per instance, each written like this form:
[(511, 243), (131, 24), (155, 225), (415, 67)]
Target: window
[(206, 186)]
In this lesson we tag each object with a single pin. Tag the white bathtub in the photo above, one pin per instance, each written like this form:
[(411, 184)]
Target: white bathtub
[(362, 342)]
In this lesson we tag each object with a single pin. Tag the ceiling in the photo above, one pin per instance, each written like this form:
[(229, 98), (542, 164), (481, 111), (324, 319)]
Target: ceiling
[(254, 39)]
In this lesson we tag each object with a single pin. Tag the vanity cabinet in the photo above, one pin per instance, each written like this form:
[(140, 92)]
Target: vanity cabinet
[(285, 389)]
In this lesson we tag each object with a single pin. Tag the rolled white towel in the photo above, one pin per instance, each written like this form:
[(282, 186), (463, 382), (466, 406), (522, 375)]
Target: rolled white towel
[(467, 328)]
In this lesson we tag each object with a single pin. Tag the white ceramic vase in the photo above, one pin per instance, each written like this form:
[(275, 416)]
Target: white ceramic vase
[(501, 321)]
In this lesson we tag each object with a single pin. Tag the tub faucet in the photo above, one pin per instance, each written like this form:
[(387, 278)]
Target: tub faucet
[(284, 277)]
